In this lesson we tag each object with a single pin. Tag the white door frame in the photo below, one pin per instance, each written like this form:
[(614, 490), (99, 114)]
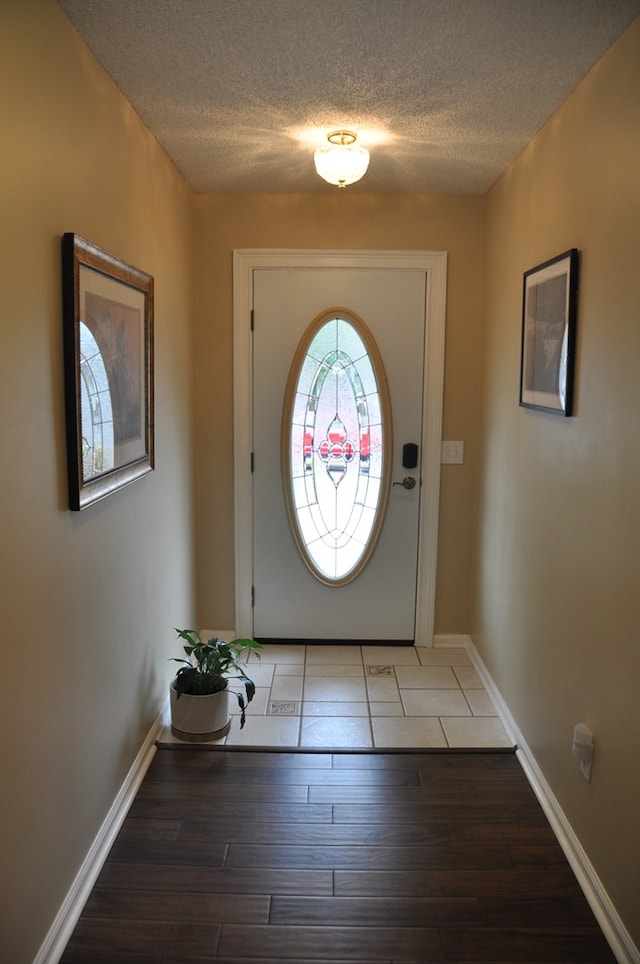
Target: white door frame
[(434, 263)]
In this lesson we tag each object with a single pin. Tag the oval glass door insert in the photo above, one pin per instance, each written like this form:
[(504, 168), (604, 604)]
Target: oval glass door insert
[(336, 446)]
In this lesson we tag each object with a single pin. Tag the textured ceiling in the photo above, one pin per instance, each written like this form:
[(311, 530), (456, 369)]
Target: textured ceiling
[(445, 93)]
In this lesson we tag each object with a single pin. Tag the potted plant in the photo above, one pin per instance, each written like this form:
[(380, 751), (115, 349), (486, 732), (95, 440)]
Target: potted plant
[(199, 692)]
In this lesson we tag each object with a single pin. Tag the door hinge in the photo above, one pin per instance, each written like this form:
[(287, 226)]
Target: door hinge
[(252, 461), (252, 318), (253, 596)]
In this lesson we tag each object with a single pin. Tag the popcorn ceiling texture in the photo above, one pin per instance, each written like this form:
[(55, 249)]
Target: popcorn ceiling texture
[(446, 93)]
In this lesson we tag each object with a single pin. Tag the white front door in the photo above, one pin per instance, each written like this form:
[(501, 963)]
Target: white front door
[(391, 598)]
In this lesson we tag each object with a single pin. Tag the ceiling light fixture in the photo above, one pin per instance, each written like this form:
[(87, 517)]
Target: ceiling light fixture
[(343, 162)]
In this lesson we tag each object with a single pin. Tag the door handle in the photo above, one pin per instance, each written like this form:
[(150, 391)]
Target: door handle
[(408, 482)]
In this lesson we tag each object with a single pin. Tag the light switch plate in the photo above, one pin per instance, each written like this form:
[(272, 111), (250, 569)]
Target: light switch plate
[(452, 453)]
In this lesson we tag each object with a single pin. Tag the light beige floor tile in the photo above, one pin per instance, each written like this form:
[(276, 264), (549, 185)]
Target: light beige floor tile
[(468, 678), (288, 669), (265, 731), (326, 669), (480, 703), (338, 698), (284, 708), (426, 677), (397, 733), (386, 709), (287, 688), (443, 656), (327, 708), (335, 732), (475, 731), (333, 655), (257, 706), (434, 703), (260, 674), (394, 655), (285, 653), (335, 689), (381, 688)]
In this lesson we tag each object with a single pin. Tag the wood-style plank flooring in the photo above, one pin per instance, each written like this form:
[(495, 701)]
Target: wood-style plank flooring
[(242, 857)]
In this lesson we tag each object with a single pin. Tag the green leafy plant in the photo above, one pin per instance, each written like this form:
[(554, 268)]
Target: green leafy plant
[(210, 664)]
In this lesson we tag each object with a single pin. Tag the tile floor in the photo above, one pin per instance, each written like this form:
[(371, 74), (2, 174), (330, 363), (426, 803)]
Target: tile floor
[(359, 697)]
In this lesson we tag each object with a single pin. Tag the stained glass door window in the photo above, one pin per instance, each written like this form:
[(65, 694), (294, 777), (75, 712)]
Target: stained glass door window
[(336, 436)]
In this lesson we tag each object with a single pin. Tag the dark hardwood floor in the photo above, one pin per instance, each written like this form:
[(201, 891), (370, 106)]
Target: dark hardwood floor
[(263, 858)]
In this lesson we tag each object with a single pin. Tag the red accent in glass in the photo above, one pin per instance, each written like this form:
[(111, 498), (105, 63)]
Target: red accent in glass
[(336, 450)]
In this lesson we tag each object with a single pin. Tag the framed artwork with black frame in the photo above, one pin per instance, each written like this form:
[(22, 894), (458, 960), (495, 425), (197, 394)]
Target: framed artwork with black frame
[(549, 311), (108, 356)]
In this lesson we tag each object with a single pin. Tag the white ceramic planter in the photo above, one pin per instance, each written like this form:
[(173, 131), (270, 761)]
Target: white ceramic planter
[(197, 719)]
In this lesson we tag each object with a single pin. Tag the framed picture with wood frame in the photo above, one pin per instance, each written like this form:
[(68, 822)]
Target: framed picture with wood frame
[(108, 358), (549, 310)]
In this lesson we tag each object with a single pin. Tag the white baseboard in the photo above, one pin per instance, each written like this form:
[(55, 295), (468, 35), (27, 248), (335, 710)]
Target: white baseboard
[(67, 917), (616, 934), (453, 639)]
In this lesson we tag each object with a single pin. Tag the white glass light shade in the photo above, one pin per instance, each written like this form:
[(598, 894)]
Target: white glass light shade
[(341, 163)]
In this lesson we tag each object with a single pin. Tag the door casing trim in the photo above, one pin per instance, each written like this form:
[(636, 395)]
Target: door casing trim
[(434, 264)]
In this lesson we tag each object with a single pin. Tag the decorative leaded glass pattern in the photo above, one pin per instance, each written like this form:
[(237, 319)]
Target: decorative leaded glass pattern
[(336, 433)]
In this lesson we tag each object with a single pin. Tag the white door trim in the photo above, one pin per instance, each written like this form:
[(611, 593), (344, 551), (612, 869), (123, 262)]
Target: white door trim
[(434, 263)]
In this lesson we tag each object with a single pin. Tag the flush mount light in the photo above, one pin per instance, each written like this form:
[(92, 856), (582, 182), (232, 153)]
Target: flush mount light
[(343, 162)]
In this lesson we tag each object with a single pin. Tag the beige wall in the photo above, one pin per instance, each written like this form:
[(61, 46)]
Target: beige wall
[(88, 600), (557, 610), (336, 220)]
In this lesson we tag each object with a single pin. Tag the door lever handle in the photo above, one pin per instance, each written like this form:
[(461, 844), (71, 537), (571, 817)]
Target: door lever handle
[(408, 482)]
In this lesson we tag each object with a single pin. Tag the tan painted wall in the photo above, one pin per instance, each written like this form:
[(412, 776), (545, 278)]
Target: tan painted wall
[(334, 220), (88, 600), (557, 611)]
